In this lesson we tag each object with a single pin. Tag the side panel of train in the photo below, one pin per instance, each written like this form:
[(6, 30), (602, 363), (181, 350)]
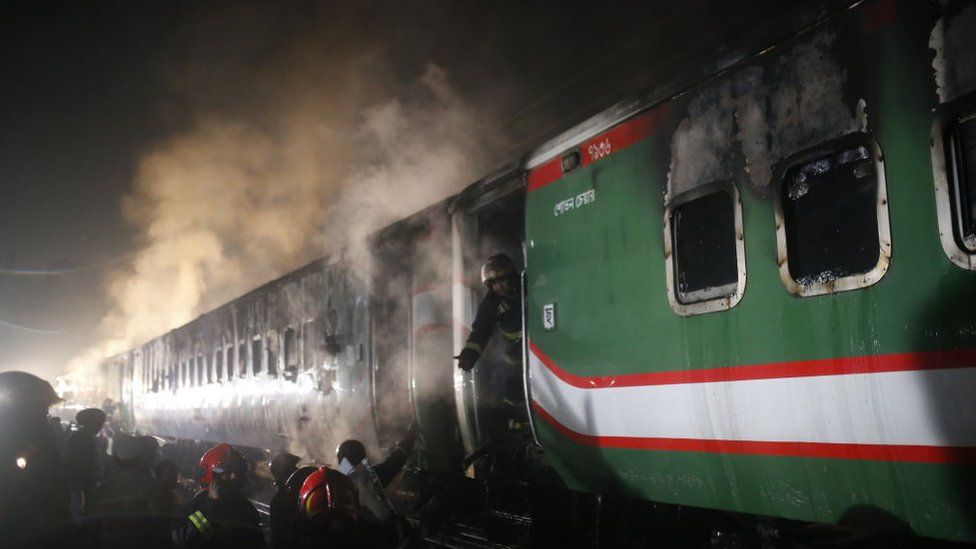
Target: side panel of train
[(283, 368), (739, 299)]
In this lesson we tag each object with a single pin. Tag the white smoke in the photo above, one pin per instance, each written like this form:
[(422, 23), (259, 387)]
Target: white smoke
[(230, 205)]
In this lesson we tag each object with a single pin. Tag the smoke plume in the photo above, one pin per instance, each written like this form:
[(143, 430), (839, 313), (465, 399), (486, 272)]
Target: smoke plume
[(311, 155)]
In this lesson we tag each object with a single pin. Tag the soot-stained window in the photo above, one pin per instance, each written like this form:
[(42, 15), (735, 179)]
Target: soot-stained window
[(962, 179), (229, 359), (256, 350), (242, 360), (830, 216), (272, 361), (704, 239), (219, 364), (291, 355), (201, 365)]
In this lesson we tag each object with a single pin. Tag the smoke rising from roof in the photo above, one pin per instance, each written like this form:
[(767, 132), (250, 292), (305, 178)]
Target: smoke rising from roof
[(328, 141)]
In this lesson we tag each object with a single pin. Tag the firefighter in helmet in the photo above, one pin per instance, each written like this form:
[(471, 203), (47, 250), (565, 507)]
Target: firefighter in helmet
[(33, 491), (220, 515), (371, 481), (500, 311), (329, 514)]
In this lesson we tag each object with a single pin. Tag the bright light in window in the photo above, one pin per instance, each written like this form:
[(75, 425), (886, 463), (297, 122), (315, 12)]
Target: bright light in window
[(22, 463)]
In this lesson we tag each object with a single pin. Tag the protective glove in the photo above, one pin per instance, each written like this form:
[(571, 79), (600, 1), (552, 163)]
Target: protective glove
[(465, 363)]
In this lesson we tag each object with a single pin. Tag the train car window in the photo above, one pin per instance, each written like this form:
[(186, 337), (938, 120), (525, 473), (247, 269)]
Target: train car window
[(242, 360), (229, 360), (832, 218), (954, 162), (962, 157), (219, 365), (257, 349), (272, 357), (291, 355), (172, 372), (705, 250), (182, 373)]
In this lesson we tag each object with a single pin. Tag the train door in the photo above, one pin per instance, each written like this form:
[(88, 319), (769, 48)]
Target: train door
[(390, 314), (412, 335), (488, 224)]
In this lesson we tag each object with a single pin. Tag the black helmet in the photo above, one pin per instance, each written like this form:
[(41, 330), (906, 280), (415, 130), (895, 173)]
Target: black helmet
[(295, 481), (353, 450), (20, 389), (497, 266), (91, 419), (282, 466)]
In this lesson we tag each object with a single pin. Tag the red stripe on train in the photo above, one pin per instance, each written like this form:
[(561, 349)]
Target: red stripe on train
[(601, 146), (833, 450), (871, 364), (622, 136)]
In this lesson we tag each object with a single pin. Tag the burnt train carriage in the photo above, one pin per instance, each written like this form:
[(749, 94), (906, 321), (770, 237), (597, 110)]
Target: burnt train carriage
[(752, 297), (261, 369), (751, 293)]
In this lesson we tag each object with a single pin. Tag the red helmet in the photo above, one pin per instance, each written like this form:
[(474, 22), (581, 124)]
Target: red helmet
[(220, 458), (327, 495)]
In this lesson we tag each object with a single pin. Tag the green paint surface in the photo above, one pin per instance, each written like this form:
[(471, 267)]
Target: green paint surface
[(603, 266)]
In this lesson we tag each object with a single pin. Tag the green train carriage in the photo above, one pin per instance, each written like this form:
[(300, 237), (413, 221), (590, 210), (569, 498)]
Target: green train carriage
[(757, 295)]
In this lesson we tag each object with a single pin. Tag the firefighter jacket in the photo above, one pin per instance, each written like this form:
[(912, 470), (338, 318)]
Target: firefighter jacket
[(501, 313), (229, 521)]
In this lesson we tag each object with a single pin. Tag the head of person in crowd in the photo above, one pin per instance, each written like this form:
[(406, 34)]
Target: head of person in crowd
[(349, 454), (328, 499), (128, 451), (26, 395), (150, 451), (90, 420), (166, 474), (295, 481), (282, 466), (223, 470)]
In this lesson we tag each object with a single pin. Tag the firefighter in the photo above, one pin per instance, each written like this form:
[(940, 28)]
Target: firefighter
[(371, 482), (220, 515), (500, 311), (283, 506), (83, 457), (33, 492), (123, 510), (329, 514)]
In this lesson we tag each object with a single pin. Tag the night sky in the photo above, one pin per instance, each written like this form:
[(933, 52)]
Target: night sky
[(89, 89)]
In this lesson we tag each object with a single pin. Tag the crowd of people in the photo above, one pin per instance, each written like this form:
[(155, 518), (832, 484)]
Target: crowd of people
[(75, 488), (80, 488)]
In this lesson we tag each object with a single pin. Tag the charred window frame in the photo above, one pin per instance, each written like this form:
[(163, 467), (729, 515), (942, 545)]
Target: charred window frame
[(292, 359), (954, 171), (257, 350), (229, 361), (218, 360), (704, 249), (201, 365), (832, 228), (241, 359), (271, 349)]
